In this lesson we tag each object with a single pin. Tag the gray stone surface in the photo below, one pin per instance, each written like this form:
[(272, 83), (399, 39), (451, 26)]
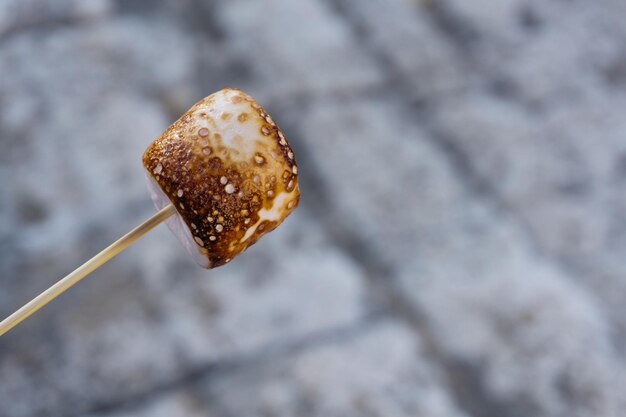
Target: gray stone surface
[(331, 379), (297, 48), (459, 246)]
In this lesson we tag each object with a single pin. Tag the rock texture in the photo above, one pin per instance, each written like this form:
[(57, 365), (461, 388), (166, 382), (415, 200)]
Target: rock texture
[(458, 250)]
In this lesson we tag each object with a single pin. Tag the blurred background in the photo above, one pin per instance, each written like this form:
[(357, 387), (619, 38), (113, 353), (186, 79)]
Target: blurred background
[(459, 248)]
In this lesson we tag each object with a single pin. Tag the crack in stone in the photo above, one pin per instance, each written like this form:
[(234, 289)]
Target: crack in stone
[(38, 28), (463, 36), (211, 371)]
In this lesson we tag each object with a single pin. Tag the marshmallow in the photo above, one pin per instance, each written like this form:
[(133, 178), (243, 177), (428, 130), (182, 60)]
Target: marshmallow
[(229, 172)]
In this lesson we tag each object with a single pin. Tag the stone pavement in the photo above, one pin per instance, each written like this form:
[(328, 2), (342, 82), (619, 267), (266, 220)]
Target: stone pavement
[(460, 242)]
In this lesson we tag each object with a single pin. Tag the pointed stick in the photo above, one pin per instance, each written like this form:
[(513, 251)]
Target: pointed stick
[(85, 269)]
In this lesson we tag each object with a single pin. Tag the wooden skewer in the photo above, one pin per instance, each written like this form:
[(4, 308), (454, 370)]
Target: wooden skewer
[(85, 269)]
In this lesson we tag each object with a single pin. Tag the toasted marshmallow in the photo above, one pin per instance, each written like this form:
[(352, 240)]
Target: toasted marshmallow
[(229, 172)]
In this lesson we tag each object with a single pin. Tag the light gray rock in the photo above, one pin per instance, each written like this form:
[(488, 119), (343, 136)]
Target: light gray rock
[(549, 170), (540, 345), (296, 48), (377, 371), (386, 183), (518, 48), (416, 215), (29, 15), (413, 56)]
